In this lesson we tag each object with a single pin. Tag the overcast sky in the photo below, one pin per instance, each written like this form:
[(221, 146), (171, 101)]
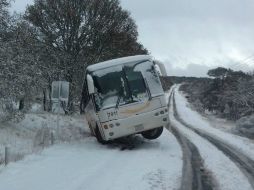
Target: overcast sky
[(192, 36)]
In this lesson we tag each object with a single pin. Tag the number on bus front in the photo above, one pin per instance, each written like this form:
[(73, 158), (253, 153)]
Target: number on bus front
[(112, 114)]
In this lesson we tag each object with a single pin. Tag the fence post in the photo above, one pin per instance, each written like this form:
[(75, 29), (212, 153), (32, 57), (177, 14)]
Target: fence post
[(52, 138), (6, 155)]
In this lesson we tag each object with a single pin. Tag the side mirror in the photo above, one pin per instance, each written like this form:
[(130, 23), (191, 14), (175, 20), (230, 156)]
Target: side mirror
[(160, 68), (90, 84)]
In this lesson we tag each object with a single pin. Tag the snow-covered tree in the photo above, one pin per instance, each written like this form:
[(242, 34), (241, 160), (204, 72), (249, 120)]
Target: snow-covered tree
[(57, 39), (219, 72), (85, 32), (4, 16)]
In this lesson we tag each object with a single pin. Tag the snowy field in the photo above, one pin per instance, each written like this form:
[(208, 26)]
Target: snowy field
[(33, 133), (197, 121), (226, 174), (77, 161), (228, 157), (88, 165)]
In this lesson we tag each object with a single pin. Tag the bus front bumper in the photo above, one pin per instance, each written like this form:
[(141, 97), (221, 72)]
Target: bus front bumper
[(135, 124)]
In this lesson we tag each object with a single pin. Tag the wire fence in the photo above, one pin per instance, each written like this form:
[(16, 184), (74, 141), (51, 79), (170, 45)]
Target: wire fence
[(13, 150), (16, 144)]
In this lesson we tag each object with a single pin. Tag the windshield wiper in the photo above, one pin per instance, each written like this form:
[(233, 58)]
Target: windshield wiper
[(119, 98)]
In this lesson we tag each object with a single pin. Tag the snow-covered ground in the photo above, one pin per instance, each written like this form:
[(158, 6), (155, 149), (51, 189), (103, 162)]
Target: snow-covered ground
[(221, 123), (79, 162), (88, 165), (227, 175), (197, 121), (32, 133)]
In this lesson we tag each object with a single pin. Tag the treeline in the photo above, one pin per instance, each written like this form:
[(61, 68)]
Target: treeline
[(57, 40), (229, 94)]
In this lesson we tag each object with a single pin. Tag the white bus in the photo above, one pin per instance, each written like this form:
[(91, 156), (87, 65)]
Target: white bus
[(125, 98)]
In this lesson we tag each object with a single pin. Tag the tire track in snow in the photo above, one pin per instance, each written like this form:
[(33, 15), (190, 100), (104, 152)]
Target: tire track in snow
[(244, 163), (194, 174)]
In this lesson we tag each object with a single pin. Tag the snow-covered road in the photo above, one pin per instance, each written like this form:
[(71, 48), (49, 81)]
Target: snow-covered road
[(225, 155), (245, 145), (195, 156), (89, 165)]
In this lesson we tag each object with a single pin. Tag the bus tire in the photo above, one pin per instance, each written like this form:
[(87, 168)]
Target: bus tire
[(98, 136), (152, 133)]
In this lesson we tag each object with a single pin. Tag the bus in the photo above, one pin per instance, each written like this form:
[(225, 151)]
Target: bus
[(125, 97)]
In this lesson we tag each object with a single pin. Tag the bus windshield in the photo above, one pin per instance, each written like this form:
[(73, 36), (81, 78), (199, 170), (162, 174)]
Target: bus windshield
[(121, 85)]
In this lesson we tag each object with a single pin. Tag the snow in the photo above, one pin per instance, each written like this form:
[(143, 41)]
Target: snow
[(88, 165), (225, 172), (27, 136), (36, 108), (79, 162), (245, 126), (118, 61), (190, 116), (221, 123)]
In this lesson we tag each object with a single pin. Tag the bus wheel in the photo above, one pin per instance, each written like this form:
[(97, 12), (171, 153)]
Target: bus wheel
[(153, 133), (99, 137)]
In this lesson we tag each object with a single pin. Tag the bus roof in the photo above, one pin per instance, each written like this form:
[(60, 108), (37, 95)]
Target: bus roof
[(119, 61)]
